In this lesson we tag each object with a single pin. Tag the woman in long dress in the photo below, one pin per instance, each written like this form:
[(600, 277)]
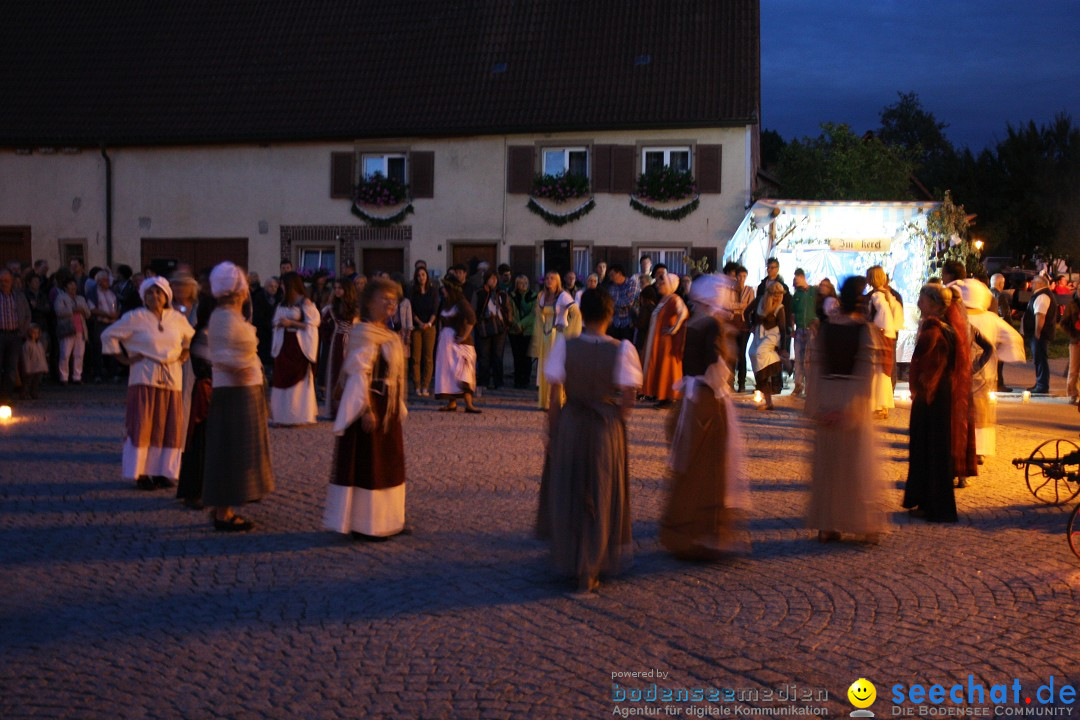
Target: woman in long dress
[(935, 421), (709, 497), (664, 349), (584, 492), (193, 464), (555, 314), (338, 317), (156, 340), (847, 488), (296, 353), (882, 313), (237, 469), (993, 340), (455, 354), (770, 339), (367, 489)]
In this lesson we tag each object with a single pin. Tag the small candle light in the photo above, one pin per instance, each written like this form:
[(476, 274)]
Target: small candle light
[(993, 396), (758, 397), (5, 413), (1027, 396)]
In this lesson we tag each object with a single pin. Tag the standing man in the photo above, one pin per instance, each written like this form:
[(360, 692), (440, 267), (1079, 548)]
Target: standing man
[(1004, 311), (625, 294), (803, 304), (78, 270), (1039, 322), (493, 313), (14, 324)]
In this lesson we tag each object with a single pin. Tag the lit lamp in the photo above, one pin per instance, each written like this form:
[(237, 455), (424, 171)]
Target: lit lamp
[(1027, 396), (5, 413), (979, 245), (758, 397), (993, 396)]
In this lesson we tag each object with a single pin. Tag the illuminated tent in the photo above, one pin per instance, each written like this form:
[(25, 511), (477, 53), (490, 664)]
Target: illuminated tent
[(837, 240)]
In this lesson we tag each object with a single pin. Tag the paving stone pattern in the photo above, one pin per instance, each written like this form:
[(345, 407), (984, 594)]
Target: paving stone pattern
[(121, 604)]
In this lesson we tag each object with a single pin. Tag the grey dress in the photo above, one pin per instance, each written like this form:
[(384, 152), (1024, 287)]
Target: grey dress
[(584, 492)]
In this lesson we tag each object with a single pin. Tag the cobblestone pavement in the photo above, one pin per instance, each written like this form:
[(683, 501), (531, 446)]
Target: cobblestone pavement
[(121, 604)]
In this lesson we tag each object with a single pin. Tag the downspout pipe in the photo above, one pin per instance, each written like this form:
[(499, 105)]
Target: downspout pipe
[(108, 207)]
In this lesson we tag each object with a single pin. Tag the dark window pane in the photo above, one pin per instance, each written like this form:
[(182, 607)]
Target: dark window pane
[(680, 160), (579, 163), (395, 168), (654, 161)]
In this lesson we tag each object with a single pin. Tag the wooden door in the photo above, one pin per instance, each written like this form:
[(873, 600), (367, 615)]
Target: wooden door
[(15, 245), (388, 260), (472, 254), (199, 254)]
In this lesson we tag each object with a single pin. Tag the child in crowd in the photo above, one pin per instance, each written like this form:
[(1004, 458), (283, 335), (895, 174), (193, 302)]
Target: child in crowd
[(34, 362)]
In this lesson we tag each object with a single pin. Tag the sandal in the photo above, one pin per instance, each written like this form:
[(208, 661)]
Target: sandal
[(473, 411), (234, 523)]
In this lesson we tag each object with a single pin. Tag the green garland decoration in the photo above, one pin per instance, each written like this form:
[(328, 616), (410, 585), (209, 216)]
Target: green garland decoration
[(382, 221), (560, 218), (676, 214)]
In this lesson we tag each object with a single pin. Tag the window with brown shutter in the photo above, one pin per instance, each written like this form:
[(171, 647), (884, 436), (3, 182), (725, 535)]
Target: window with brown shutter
[(523, 260), (707, 173), (623, 177), (601, 168), (342, 174), (422, 172), (521, 166)]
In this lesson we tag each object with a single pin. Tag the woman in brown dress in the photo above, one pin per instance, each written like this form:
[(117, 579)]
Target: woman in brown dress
[(584, 491), (367, 488), (664, 348), (705, 514)]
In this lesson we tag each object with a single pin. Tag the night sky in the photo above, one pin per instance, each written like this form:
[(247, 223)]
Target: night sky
[(975, 65)]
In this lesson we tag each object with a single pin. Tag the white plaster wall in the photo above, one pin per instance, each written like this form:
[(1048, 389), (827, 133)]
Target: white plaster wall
[(226, 191), (58, 196)]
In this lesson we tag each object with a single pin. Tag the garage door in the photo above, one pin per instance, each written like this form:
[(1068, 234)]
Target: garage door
[(200, 254)]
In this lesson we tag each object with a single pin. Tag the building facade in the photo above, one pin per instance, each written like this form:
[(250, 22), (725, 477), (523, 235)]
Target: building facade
[(199, 185)]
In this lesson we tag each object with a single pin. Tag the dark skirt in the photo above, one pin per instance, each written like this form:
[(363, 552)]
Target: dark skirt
[(191, 465), (237, 468), (584, 510), (769, 380), (375, 460), (290, 366), (930, 471)]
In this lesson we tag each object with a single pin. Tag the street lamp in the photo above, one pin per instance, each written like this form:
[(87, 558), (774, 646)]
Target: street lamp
[(979, 246)]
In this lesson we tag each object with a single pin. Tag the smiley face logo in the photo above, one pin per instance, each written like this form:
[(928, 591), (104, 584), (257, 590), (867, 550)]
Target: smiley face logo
[(862, 693)]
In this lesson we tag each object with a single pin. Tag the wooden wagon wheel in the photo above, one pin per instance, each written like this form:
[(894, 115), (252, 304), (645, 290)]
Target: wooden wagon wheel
[(1047, 479)]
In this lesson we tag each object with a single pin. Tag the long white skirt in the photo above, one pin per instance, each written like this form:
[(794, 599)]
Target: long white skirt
[(455, 365), (881, 390), (295, 405), (372, 512)]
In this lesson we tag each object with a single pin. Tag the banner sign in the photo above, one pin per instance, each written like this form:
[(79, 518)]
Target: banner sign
[(860, 244)]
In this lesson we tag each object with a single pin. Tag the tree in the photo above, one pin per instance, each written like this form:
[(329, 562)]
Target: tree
[(839, 165), (906, 125), (771, 147)]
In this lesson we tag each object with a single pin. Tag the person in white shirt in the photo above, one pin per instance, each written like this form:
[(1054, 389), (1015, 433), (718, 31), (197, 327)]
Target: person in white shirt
[(296, 352), (156, 340)]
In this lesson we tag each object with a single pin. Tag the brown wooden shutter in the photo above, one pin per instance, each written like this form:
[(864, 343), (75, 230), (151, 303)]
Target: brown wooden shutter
[(601, 168), (342, 174), (707, 172), (521, 165), (623, 177), (624, 257), (523, 261), (422, 174)]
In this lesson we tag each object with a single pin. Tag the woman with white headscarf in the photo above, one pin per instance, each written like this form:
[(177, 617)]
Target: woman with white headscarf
[(705, 514), (664, 348), (154, 341), (237, 468)]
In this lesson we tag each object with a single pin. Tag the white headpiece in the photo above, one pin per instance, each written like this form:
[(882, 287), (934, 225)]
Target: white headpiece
[(226, 279), (158, 282), (974, 294), (711, 290)]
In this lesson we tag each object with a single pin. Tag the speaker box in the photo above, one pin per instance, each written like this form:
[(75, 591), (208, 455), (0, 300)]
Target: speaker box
[(558, 256)]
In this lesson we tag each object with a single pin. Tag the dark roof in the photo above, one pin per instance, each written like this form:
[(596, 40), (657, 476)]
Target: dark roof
[(126, 72)]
